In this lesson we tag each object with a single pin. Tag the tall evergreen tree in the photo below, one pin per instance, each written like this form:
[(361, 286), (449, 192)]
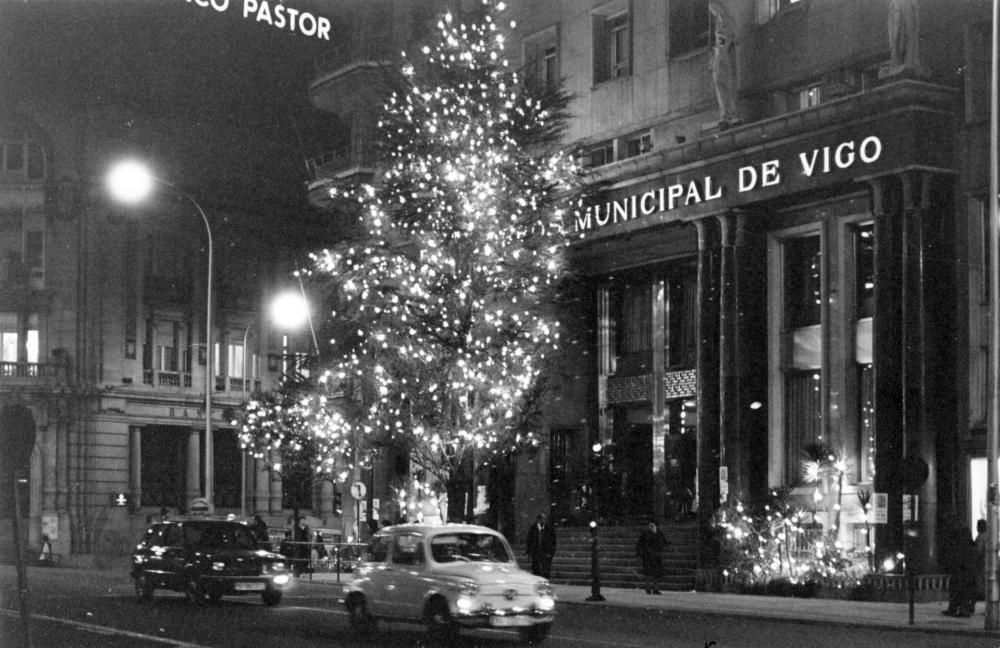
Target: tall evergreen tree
[(444, 300)]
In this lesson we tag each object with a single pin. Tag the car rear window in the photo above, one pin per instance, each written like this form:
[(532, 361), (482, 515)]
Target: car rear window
[(469, 547), (220, 536)]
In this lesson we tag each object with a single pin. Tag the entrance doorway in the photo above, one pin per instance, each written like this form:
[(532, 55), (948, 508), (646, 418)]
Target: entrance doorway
[(633, 469)]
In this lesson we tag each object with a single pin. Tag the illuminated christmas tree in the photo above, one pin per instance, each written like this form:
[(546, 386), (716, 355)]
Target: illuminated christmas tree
[(442, 306)]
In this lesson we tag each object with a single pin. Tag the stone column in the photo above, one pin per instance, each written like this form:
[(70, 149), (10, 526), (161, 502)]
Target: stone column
[(886, 346), (732, 450), (658, 396), (707, 324), (135, 464), (193, 465), (47, 445)]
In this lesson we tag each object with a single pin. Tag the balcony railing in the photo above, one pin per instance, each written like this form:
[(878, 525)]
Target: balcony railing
[(166, 378), (26, 370), (178, 379), (329, 164)]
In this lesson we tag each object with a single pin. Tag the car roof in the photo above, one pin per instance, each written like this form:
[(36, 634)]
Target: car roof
[(437, 529)]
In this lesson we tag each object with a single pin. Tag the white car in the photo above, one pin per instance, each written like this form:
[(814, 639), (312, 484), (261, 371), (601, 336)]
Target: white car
[(448, 576)]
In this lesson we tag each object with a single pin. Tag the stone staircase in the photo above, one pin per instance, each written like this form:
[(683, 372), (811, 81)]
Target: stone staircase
[(619, 566)]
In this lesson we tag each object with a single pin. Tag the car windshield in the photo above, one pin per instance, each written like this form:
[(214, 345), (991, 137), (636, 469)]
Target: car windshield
[(220, 536), (469, 547)]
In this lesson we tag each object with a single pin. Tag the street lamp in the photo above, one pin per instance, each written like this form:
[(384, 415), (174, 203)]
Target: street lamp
[(131, 182), (288, 311)]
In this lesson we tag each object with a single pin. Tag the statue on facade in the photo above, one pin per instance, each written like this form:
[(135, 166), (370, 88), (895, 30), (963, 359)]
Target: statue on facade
[(904, 35), (723, 65)]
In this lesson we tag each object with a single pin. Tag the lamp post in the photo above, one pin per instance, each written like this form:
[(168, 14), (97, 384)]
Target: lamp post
[(992, 602), (288, 310), (131, 182), (595, 569)]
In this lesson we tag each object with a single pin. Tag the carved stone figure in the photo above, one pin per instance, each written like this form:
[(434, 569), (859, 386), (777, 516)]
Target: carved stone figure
[(904, 34), (723, 64)]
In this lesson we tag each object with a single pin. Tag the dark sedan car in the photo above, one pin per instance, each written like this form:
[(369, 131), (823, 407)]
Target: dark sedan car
[(207, 559)]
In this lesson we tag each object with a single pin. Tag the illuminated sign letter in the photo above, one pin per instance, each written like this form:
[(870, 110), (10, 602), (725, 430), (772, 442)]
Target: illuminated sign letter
[(748, 178), (647, 203)]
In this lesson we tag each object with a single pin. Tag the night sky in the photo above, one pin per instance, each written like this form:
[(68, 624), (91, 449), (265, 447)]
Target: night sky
[(218, 101)]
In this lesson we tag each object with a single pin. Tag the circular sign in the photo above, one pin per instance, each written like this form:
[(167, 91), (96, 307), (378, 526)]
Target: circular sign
[(358, 490)]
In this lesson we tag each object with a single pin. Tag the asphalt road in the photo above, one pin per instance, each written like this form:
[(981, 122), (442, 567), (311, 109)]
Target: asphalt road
[(90, 608)]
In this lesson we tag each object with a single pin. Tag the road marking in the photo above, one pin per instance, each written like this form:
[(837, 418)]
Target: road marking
[(105, 630)]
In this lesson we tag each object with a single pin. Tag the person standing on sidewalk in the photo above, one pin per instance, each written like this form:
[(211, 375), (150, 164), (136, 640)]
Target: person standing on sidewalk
[(961, 565), (650, 549), (541, 546)]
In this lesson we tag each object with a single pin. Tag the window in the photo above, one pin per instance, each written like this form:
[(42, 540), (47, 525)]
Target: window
[(803, 417), (864, 271), (803, 281), (598, 154), (612, 46), (541, 60), (681, 304), (409, 550), (379, 549), (236, 368), (14, 157), (631, 327), (612, 150), (13, 334), (638, 144), (690, 26), (23, 159)]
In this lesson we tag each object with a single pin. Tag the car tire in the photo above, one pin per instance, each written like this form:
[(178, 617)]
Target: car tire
[(535, 634), (270, 597), (437, 618), (143, 588), (194, 592), (214, 596), (360, 616)]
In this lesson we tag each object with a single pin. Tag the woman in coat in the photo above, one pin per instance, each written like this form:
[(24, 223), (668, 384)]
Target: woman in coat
[(649, 549)]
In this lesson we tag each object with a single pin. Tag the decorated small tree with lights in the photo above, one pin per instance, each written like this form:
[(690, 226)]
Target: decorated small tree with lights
[(297, 434), (442, 307)]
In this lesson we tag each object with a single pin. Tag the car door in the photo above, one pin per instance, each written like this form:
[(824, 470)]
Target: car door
[(377, 574), (170, 556), (406, 579)]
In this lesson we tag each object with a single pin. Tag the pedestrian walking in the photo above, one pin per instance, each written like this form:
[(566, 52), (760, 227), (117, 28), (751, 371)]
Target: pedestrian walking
[(981, 536), (45, 555), (649, 549), (541, 546), (259, 528), (301, 541), (961, 565)]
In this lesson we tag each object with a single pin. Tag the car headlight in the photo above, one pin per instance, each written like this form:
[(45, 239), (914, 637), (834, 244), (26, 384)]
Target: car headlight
[(543, 588), (267, 568), (218, 566)]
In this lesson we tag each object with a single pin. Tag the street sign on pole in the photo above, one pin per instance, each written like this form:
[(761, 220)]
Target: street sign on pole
[(358, 490)]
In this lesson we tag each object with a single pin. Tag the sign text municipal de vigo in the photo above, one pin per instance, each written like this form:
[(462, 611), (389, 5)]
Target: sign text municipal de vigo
[(707, 188)]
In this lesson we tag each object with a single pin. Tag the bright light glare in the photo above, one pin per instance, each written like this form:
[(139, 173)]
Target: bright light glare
[(289, 311), (130, 181)]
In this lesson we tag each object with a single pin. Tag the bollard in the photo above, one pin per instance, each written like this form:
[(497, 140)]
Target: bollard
[(595, 571)]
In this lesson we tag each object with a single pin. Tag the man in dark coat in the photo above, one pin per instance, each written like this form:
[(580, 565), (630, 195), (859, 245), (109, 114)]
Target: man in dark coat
[(541, 546), (650, 549)]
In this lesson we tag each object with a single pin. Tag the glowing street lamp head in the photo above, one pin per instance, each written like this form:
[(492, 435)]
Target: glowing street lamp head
[(130, 181), (290, 311)]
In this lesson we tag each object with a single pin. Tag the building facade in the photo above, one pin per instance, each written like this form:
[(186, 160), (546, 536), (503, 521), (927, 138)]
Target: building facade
[(784, 261), (103, 343)]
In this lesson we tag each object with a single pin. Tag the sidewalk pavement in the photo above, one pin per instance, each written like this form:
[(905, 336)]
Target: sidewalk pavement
[(927, 617)]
